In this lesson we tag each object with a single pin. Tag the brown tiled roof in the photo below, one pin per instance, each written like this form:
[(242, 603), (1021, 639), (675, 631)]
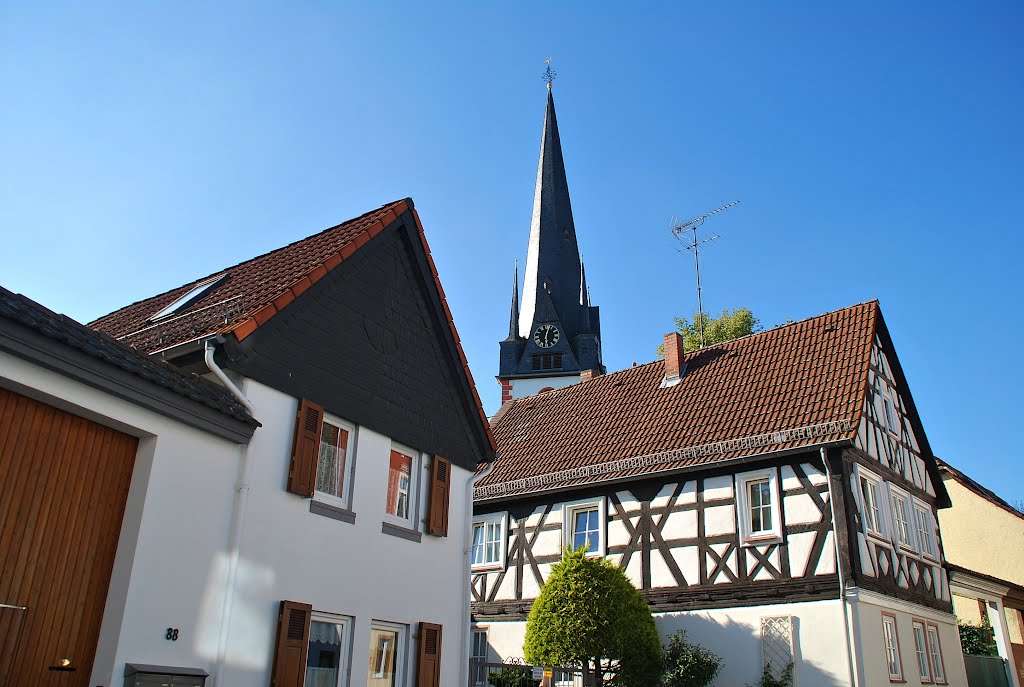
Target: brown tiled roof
[(750, 396), (252, 292), (255, 290)]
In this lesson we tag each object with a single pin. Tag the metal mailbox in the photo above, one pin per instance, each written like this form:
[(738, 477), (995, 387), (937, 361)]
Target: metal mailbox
[(143, 675)]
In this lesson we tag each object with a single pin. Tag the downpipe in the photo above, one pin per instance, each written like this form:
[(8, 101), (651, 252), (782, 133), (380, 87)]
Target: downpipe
[(851, 645), (467, 609), (237, 517)]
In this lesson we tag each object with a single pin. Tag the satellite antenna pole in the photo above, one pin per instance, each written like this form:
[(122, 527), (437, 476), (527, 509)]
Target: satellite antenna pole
[(694, 245)]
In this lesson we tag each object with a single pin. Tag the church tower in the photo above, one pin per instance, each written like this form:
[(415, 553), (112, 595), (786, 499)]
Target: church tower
[(554, 338)]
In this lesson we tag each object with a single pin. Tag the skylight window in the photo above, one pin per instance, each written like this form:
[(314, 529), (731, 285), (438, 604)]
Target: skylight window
[(189, 298)]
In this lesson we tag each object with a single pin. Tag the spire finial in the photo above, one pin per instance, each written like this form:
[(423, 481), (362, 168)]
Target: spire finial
[(549, 74), (513, 322)]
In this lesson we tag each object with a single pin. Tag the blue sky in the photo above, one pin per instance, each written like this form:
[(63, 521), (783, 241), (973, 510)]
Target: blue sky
[(876, 150)]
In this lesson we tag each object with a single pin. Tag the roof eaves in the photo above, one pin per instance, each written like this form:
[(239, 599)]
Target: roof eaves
[(455, 334)]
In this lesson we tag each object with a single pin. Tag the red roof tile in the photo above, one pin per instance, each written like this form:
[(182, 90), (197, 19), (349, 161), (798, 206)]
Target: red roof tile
[(753, 395)]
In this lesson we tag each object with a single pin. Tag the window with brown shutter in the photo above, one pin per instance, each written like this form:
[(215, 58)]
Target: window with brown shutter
[(429, 664), (440, 489), (292, 644), (305, 448)]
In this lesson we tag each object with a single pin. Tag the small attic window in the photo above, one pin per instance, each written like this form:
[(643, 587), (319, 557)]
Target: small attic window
[(189, 298)]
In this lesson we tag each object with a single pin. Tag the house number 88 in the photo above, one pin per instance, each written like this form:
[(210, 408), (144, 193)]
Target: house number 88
[(172, 634)]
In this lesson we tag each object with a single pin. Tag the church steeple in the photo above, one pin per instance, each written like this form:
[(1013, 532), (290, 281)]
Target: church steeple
[(553, 259), (555, 334)]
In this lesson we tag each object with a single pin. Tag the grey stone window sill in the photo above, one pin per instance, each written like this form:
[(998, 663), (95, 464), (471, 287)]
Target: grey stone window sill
[(334, 512), (399, 531)]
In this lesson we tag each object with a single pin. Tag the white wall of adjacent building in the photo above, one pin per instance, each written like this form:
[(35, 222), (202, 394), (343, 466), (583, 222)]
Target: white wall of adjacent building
[(867, 618), (735, 635), (528, 386), (172, 561)]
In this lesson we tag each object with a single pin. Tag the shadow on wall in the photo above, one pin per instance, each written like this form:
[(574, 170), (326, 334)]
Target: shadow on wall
[(739, 646)]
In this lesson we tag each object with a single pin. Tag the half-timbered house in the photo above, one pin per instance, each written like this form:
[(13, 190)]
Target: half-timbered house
[(775, 496)]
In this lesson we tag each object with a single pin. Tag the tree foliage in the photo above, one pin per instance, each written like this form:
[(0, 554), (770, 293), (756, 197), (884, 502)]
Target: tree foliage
[(688, 665), (978, 639), (725, 327), (589, 614), (768, 679)]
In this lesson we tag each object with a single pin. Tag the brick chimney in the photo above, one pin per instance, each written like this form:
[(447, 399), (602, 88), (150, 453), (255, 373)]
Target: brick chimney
[(674, 365), (586, 375)]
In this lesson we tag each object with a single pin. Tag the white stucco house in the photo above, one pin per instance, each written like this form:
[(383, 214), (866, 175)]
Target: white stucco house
[(308, 523)]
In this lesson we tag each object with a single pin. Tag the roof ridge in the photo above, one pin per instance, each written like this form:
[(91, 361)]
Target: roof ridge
[(691, 354), (382, 209)]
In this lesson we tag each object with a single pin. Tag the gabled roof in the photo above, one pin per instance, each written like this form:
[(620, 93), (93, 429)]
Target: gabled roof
[(106, 363), (246, 296), (800, 384), (250, 293), (976, 487)]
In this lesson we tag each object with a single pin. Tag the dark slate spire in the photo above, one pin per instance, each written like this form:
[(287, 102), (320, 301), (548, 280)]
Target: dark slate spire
[(553, 258), (584, 290), (513, 320)]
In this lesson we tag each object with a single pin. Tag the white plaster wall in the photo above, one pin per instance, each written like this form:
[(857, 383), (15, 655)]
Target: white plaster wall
[(175, 522), (171, 567), (867, 614), (735, 635), (532, 385), (337, 567)]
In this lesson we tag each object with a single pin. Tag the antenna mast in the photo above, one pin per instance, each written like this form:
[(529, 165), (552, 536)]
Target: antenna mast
[(694, 245)]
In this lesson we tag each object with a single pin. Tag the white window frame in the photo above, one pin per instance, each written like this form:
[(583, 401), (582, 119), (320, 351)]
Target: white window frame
[(501, 520), (412, 520), (768, 536), (879, 494), (924, 663), (897, 494), (569, 511), (925, 529), (345, 651), (892, 650), (195, 292), (481, 670), (402, 639), (938, 665), (345, 499), (890, 412)]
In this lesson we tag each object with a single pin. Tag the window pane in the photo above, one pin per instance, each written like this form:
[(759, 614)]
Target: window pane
[(933, 642), (383, 644), (399, 481), (330, 466), (323, 661), (478, 544), (755, 520), (766, 518), (922, 655), (585, 530)]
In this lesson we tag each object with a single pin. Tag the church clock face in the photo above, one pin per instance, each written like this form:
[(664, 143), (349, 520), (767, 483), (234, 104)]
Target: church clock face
[(546, 335)]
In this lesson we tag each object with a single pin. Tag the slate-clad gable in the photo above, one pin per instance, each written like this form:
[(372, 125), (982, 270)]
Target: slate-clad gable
[(365, 343)]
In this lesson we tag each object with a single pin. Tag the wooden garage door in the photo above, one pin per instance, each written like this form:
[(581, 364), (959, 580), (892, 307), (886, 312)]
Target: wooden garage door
[(63, 485)]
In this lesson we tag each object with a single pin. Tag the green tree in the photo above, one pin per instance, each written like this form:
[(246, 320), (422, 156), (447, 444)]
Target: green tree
[(589, 614), (725, 327), (688, 665), (978, 639)]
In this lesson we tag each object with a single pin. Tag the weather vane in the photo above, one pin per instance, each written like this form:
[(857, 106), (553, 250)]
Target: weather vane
[(549, 74)]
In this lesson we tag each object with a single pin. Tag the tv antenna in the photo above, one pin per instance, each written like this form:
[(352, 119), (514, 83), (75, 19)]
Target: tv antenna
[(692, 244)]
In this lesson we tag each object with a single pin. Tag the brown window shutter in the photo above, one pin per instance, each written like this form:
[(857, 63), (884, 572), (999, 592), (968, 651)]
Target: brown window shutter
[(292, 645), (429, 663), (440, 489), (305, 449)]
